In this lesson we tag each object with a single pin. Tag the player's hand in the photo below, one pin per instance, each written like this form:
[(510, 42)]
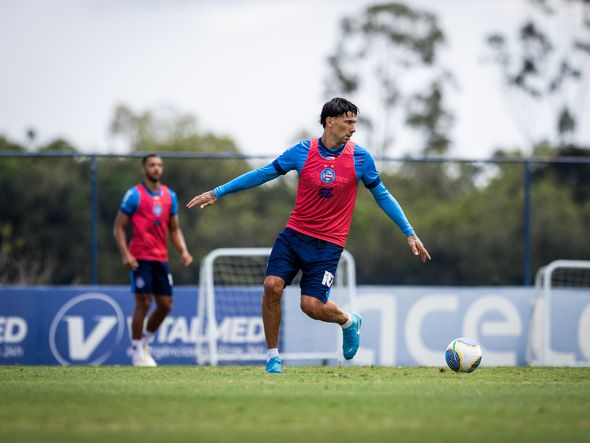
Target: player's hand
[(186, 258), (418, 248), (130, 262), (203, 200)]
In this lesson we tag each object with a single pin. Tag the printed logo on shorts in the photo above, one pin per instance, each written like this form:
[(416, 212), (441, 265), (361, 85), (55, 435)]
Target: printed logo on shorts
[(139, 283), (328, 175), (328, 279)]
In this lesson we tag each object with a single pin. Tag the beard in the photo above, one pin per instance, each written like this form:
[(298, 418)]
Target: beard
[(154, 178)]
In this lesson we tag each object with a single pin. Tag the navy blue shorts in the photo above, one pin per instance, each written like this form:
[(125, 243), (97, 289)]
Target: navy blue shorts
[(151, 277), (317, 259)]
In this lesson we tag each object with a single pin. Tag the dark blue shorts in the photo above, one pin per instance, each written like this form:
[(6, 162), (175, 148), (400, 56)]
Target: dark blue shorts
[(151, 277), (317, 259)]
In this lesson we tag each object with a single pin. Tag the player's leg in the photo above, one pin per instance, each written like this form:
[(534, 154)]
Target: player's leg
[(141, 285), (319, 269), (143, 303), (271, 319), (281, 268), (328, 312), (162, 287), (331, 313), (163, 308), (271, 309)]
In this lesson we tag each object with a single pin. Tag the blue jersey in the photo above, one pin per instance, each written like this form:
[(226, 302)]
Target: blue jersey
[(295, 157)]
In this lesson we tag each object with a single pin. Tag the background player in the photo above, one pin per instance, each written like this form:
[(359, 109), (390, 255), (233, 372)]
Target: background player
[(152, 209), (329, 169)]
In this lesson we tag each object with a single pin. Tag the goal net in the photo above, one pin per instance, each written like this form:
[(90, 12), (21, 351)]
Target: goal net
[(560, 315), (230, 319)]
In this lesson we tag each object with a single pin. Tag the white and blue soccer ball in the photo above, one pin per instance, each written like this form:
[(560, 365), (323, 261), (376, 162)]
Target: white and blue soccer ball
[(463, 355)]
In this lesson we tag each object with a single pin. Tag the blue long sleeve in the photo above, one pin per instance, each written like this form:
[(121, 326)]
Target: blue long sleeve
[(391, 207), (248, 180)]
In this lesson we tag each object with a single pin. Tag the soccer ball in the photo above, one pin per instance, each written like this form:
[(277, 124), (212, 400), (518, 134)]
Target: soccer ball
[(463, 355)]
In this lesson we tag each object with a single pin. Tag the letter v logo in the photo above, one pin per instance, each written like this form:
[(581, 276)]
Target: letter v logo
[(80, 347), (69, 339)]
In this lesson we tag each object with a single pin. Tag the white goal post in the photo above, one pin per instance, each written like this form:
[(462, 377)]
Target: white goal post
[(560, 281), (229, 311)]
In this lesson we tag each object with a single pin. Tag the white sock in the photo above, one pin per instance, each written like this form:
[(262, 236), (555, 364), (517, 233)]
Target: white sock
[(348, 322), (273, 352), (147, 336), (137, 346)]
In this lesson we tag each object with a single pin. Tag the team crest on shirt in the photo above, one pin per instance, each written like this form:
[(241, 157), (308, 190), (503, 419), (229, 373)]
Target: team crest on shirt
[(157, 209), (328, 175)]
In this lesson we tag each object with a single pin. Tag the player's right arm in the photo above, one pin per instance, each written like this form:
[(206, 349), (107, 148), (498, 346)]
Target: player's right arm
[(121, 221), (248, 180), (289, 160), (126, 209), (390, 206)]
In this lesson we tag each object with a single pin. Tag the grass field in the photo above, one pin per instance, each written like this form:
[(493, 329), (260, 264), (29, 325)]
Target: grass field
[(305, 404)]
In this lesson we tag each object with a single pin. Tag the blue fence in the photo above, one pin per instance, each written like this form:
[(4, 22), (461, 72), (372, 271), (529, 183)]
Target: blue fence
[(526, 164)]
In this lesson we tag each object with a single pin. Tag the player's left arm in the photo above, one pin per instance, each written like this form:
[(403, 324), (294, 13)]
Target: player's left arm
[(176, 235), (391, 207), (177, 239)]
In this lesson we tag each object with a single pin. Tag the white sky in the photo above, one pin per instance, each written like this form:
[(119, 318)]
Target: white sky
[(251, 69)]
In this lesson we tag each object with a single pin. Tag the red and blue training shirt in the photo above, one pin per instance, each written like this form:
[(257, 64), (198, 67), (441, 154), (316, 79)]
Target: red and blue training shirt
[(326, 193), (150, 214)]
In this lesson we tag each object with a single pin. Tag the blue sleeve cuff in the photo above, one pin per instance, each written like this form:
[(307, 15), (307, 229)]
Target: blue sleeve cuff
[(374, 183), (125, 211), (278, 168)]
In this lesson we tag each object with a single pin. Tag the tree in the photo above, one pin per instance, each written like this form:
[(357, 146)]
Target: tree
[(164, 129), (45, 218), (385, 58), (543, 70)]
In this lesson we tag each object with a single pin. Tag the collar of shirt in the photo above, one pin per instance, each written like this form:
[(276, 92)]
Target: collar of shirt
[(153, 194), (327, 153)]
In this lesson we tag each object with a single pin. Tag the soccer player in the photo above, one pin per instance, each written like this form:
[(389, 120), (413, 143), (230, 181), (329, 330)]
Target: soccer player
[(329, 169), (152, 209)]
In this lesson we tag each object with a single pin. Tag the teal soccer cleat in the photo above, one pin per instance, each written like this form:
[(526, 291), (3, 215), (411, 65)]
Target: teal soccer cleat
[(273, 366), (351, 337)]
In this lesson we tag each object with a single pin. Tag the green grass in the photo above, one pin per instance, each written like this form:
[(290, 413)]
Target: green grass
[(305, 404)]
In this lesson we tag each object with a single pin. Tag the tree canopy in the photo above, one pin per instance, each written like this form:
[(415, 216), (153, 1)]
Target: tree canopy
[(387, 59), (543, 68), (470, 216)]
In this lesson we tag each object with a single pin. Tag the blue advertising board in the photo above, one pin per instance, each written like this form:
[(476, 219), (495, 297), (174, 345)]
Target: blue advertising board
[(403, 326), (87, 326)]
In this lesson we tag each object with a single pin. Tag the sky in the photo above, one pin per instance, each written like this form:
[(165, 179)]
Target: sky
[(250, 69)]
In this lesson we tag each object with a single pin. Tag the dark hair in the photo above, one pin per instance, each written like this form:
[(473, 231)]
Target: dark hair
[(337, 107), (147, 157)]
